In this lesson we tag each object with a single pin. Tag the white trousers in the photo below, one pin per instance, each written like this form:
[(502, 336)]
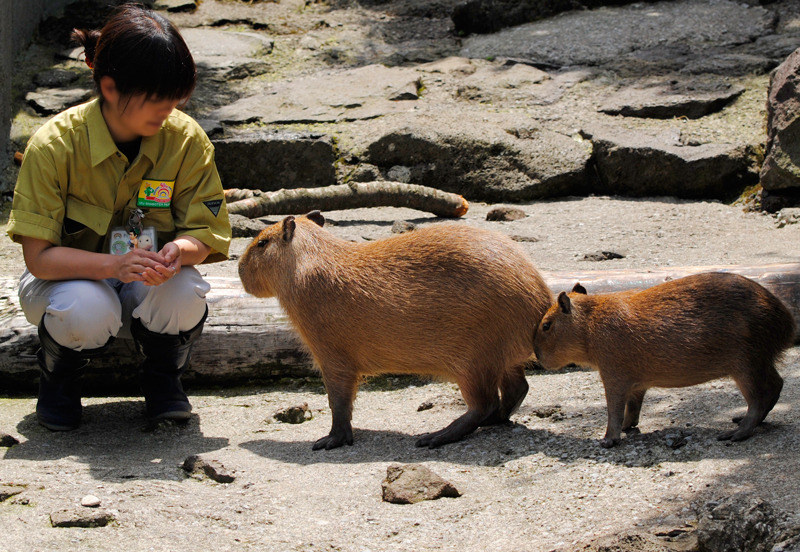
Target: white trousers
[(84, 314)]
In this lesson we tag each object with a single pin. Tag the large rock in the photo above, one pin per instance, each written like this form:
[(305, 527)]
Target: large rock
[(659, 99), (739, 522), (272, 160), (349, 95), (225, 55), (639, 164), (781, 167), (483, 161), (654, 30)]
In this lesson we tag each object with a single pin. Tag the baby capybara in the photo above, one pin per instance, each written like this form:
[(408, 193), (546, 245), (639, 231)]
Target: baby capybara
[(679, 333), (448, 301)]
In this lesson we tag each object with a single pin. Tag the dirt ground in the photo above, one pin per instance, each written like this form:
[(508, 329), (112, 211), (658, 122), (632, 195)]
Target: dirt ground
[(540, 484)]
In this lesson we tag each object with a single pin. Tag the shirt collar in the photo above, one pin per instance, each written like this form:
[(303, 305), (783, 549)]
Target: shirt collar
[(101, 143)]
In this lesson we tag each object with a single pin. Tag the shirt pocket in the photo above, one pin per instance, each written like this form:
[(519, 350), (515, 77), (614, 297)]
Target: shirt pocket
[(84, 225)]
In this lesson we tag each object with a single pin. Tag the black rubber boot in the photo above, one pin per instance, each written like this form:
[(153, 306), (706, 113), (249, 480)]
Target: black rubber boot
[(166, 358), (59, 406)]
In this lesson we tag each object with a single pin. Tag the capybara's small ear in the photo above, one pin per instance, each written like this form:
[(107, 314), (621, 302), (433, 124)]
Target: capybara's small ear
[(317, 217), (578, 288), (288, 228), (564, 303)]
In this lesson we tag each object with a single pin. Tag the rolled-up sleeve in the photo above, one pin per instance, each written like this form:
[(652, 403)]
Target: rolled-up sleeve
[(198, 206), (38, 207)]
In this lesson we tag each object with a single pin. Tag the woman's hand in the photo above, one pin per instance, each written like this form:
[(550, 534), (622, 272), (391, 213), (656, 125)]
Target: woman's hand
[(139, 265), (169, 267)]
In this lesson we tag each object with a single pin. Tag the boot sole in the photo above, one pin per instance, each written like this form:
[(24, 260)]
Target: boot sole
[(57, 427)]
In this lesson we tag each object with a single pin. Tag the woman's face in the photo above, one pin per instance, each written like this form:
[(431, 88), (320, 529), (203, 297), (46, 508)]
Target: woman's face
[(136, 116)]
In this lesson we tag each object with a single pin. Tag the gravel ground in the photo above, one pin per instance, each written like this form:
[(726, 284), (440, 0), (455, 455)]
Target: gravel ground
[(539, 484)]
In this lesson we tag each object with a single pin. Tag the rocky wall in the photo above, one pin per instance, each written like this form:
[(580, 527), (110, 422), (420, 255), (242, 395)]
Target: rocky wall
[(18, 22)]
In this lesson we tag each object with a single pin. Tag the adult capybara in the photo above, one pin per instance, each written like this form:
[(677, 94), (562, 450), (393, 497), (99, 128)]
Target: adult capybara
[(680, 333), (448, 301)]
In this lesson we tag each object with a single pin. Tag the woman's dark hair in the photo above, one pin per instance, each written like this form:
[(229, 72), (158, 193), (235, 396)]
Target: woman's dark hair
[(143, 52)]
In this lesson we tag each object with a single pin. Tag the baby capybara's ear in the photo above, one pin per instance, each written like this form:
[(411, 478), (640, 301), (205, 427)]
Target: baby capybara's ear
[(564, 303), (578, 288), (317, 217), (288, 228)]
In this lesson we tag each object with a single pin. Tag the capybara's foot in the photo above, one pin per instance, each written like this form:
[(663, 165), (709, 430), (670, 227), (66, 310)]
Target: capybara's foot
[(734, 435), (461, 426), (632, 430), (608, 442), (495, 418), (334, 440), (436, 439)]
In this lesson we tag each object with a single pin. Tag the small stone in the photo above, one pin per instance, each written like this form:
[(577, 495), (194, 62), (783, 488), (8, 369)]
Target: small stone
[(90, 501), (82, 517), (9, 489), (196, 466), (505, 214), (409, 91), (399, 173), (403, 226), (7, 440), (293, 414), (409, 484), (602, 256)]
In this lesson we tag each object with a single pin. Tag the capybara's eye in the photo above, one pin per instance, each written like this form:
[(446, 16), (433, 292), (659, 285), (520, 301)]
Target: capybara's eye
[(262, 243), (546, 326)]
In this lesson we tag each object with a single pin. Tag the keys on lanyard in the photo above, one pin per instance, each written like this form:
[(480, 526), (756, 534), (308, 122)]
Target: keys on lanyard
[(134, 225)]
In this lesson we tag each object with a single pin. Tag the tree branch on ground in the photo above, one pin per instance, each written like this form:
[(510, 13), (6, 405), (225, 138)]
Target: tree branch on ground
[(257, 203)]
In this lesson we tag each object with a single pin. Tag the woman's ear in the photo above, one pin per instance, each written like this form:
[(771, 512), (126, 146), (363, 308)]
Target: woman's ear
[(108, 89)]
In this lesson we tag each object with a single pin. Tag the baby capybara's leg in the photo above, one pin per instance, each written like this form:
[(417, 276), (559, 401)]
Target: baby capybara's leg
[(616, 399), (482, 402), (341, 386), (633, 407), (513, 388), (761, 389)]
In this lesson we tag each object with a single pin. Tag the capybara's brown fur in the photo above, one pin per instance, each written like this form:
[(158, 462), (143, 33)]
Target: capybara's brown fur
[(448, 300), (680, 333)]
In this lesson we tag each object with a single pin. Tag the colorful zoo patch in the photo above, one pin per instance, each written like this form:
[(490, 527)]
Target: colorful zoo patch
[(155, 193)]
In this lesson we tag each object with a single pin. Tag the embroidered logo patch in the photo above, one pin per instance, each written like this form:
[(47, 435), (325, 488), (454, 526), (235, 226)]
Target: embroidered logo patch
[(155, 193), (213, 205)]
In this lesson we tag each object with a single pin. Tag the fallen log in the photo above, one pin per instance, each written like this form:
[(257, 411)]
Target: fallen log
[(257, 203), (248, 340)]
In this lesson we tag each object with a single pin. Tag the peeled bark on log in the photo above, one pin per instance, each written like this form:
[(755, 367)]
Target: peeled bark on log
[(256, 203)]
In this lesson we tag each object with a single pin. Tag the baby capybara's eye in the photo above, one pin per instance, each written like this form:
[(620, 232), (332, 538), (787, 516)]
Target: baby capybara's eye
[(262, 243), (545, 326)]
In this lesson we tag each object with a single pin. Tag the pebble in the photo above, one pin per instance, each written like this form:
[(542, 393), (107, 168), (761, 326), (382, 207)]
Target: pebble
[(90, 501)]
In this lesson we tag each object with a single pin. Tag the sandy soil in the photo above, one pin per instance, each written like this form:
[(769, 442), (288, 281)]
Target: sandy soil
[(539, 484)]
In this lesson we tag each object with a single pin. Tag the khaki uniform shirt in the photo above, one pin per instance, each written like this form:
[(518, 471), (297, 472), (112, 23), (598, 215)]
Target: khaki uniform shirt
[(74, 185)]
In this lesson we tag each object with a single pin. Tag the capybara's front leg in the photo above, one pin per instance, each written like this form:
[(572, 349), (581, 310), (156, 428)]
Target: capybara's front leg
[(341, 394), (616, 398)]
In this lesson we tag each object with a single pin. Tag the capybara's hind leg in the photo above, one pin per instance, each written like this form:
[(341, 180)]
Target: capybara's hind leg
[(341, 387), (513, 389), (633, 408), (482, 402), (761, 391), (616, 399)]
